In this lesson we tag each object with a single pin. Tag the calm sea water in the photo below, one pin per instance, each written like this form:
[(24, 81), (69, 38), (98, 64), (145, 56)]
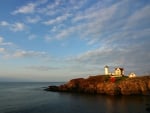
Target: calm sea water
[(31, 98)]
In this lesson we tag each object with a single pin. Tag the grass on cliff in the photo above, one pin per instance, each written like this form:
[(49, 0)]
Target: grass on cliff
[(98, 78), (105, 78), (119, 79)]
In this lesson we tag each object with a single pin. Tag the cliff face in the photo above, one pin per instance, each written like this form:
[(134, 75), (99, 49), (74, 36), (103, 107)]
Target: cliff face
[(103, 84)]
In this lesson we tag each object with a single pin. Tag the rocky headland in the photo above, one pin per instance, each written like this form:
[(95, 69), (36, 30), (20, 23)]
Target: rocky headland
[(103, 84)]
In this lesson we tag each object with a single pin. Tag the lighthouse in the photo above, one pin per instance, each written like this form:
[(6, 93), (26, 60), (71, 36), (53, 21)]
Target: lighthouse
[(106, 68)]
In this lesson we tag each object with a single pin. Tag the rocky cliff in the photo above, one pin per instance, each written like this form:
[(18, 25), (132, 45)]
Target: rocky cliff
[(102, 84)]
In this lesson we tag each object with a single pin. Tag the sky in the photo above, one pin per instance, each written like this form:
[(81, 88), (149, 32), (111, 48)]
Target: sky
[(57, 40)]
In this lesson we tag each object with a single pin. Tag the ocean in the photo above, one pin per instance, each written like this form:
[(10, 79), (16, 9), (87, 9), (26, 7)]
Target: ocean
[(31, 98)]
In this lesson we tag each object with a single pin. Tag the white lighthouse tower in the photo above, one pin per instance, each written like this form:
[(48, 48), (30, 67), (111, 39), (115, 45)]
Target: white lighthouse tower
[(106, 68)]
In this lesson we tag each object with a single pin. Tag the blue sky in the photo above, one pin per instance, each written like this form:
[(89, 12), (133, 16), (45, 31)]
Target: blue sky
[(57, 40)]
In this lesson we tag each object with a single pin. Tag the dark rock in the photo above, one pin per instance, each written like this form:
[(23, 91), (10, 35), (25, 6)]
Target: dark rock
[(148, 109), (52, 88)]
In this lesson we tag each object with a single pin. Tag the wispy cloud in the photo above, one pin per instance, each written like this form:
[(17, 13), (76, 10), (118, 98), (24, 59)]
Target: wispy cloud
[(113, 22), (11, 51), (53, 5), (77, 5), (89, 23), (48, 38), (60, 7), (15, 27), (140, 19), (32, 36), (2, 50), (95, 57), (42, 68), (4, 23), (1, 39), (23, 53), (33, 19), (18, 26), (128, 57), (65, 33), (57, 19), (15, 54), (29, 8), (3, 43)]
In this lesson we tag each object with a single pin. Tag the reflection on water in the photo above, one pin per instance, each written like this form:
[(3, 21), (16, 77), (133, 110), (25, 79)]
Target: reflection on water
[(108, 104), (126, 104)]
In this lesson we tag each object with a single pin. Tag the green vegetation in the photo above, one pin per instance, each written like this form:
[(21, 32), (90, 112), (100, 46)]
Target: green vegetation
[(118, 79), (107, 77)]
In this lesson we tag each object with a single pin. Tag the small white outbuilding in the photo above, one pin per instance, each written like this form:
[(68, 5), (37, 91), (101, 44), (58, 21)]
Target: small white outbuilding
[(131, 75)]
